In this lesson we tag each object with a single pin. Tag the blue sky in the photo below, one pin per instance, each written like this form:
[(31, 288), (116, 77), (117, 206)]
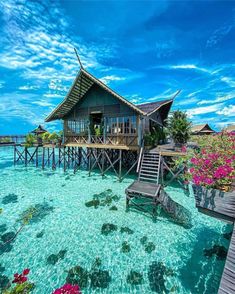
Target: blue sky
[(145, 50)]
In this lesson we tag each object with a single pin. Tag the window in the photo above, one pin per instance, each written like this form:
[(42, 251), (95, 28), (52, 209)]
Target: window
[(121, 125), (78, 126)]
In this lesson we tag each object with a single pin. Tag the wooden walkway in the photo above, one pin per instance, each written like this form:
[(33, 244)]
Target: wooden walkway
[(222, 206), (227, 283)]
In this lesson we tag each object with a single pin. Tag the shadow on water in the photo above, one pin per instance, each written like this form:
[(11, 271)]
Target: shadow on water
[(167, 208), (201, 273)]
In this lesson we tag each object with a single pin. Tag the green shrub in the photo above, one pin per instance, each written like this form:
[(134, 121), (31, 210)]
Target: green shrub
[(30, 140)]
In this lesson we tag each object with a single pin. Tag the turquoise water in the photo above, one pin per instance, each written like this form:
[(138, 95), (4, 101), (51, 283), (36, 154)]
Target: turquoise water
[(174, 263)]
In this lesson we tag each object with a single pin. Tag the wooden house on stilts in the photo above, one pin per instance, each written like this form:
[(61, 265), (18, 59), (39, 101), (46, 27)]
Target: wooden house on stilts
[(98, 120)]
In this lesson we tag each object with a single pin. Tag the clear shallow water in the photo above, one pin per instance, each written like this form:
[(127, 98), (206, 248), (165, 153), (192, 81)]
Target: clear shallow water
[(68, 224)]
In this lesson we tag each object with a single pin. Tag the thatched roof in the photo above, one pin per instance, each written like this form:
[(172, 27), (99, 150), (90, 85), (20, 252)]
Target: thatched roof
[(83, 82), (39, 130), (204, 128), (230, 128)]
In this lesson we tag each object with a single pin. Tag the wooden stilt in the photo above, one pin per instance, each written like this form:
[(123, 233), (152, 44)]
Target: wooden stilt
[(120, 165), (43, 157)]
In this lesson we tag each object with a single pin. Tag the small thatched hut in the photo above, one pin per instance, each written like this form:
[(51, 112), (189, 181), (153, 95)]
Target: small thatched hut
[(204, 129)]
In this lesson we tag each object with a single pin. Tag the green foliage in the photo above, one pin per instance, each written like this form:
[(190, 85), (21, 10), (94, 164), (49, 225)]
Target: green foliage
[(5, 140), (1, 210), (179, 127), (30, 140), (24, 288), (53, 137), (98, 131), (45, 137), (153, 139)]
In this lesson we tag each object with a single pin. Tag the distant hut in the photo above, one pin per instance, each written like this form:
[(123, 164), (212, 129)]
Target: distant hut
[(39, 131), (204, 129), (230, 129)]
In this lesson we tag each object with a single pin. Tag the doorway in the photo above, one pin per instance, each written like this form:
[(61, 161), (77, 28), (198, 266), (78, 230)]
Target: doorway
[(96, 123)]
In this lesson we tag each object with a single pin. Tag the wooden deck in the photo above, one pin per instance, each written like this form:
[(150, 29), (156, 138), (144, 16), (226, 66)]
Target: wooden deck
[(104, 146), (227, 283), (217, 203)]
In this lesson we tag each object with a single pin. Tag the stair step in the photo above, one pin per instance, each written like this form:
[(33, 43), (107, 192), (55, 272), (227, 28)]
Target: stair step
[(148, 175), (149, 164), (147, 179), (154, 171)]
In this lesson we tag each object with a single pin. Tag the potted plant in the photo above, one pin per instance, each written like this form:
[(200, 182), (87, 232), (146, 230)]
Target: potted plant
[(179, 127)]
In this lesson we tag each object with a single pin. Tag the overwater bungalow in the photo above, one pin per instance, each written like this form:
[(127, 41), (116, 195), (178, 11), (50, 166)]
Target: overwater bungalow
[(230, 129), (203, 129), (93, 114)]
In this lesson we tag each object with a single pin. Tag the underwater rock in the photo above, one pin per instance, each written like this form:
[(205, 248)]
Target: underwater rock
[(108, 228), (143, 240), (62, 253), (63, 185), (156, 275), (5, 247), (10, 198), (105, 198), (67, 178), (134, 278), (94, 202), (2, 268), (4, 282), (96, 264), (227, 235), (78, 276), (125, 247), (54, 258), (40, 234), (149, 247), (3, 228), (126, 230), (36, 213), (219, 251), (7, 236), (100, 279), (113, 208)]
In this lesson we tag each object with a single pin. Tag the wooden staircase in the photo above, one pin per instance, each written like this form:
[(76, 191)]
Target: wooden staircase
[(150, 167)]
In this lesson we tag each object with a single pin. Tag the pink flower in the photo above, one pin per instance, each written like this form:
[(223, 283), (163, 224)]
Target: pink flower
[(26, 271), (68, 289)]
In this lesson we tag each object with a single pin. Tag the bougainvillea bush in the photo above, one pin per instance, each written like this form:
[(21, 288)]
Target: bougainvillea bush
[(68, 289), (213, 166)]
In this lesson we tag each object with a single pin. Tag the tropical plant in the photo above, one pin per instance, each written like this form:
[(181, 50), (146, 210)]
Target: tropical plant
[(53, 137), (5, 140), (30, 140), (156, 135), (179, 127), (45, 137), (20, 284), (214, 165)]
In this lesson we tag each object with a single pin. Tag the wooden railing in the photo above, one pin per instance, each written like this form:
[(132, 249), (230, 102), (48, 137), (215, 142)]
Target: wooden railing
[(109, 139)]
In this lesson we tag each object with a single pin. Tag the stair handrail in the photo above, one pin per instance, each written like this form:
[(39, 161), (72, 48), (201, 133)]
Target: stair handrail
[(140, 156)]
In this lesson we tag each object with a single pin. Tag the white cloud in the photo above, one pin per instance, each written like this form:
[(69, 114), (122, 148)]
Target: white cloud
[(43, 103), (203, 110), (227, 111), (218, 100), (53, 95), (28, 87), (190, 66), (228, 81), (111, 78)]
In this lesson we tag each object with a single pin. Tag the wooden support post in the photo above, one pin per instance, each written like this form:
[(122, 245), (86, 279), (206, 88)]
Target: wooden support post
[(48, 156), (89, 160), (64, 158), (37, 156), (120, 165), (53, 158), (25, 156), (59, 155), (14, 155), (102, 162), (43, 157)]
